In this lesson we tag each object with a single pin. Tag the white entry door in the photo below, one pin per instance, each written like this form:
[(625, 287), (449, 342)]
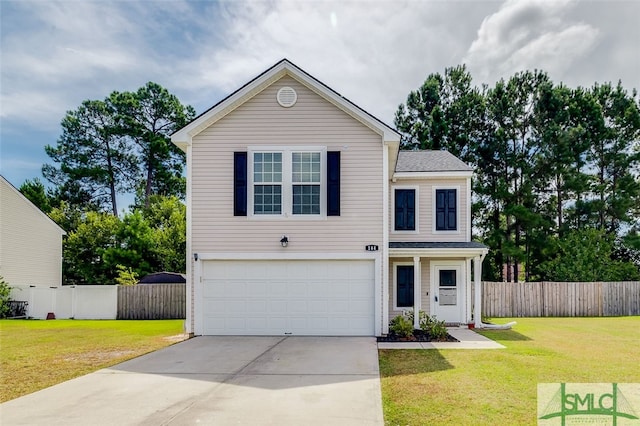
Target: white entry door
[(288, 297), (448, 288)]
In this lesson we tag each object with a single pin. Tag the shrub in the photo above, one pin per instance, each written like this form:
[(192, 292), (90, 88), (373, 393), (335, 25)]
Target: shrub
[(437, 329), (401, 326), (5, 296)]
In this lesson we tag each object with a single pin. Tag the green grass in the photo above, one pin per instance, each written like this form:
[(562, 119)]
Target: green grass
[(37, 354), (479, 387)]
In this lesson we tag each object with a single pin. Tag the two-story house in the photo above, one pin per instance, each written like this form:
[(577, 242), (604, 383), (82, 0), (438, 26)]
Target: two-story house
[(304, 218)]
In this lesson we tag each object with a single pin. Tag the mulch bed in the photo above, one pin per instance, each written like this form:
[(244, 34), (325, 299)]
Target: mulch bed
[(418, 336)]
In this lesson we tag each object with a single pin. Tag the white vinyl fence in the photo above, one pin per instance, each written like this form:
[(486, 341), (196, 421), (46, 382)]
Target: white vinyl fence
[(79, 302)]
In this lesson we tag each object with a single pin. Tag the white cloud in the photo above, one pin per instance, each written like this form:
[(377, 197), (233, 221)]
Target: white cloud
[(371, 52), (527, 34)]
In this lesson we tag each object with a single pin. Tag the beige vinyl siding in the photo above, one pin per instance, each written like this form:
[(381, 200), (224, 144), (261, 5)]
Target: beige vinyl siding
[(425, 275), (311, 122), (30, 242), (425, 205)]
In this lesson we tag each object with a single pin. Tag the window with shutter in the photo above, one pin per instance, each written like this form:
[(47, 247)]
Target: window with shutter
[(405, 210), (446, 210)]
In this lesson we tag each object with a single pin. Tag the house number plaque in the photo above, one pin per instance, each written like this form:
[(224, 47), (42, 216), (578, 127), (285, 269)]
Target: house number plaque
[(371, 247)]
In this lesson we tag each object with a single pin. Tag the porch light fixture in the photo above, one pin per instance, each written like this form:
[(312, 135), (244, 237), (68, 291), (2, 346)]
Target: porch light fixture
[(284, 241)]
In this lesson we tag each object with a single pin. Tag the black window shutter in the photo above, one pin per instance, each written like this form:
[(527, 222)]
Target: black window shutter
[(451, 210), (446, 210), (239, 183), (405, 209), (440, 209), (333, 183)]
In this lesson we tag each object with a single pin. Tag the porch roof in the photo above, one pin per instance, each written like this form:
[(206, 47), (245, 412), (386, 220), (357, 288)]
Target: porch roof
[(438, 248)]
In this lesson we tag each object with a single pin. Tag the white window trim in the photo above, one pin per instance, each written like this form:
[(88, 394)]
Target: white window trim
[(287, 183), (458, 208), (395, 285), (393, 210)]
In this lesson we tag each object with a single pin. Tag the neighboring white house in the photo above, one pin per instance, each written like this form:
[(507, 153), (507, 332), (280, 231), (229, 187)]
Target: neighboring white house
[(30, 247), (304, 218)]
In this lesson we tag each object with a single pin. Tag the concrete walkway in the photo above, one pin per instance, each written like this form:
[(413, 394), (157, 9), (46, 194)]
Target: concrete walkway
[(468, 339), (220, 381)]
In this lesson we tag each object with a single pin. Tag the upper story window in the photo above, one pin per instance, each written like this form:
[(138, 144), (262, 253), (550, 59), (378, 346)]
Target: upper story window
[(267, 183), (405, 210), (272, 182), (305, 176), (287, 182), (446, 210)]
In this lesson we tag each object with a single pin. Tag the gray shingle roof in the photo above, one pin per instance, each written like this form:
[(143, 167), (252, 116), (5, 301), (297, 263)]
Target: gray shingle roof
[(429, 161), (437, 245)]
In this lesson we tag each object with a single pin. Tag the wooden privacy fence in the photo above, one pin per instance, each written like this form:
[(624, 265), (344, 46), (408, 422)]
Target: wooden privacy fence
[(557, 299), (152, 301)]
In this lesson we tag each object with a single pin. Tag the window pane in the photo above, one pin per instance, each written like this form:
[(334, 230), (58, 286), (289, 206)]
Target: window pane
[(306, 199), (305, 167), (267, 167), (267, 199), (447, 278)]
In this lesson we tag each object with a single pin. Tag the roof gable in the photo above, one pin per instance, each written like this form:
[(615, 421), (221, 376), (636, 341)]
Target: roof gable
[(184, 136), (4, 183)]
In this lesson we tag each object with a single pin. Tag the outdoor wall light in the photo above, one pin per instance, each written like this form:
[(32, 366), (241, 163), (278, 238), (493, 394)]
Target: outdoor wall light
[(284, 241), (195, 256)]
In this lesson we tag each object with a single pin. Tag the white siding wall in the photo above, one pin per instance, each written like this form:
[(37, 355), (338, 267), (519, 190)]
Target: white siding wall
[(261, 121), (425, 205), (30, 243)]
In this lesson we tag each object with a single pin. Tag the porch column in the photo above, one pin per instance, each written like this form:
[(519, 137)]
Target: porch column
[(477, 305), (417, 292)]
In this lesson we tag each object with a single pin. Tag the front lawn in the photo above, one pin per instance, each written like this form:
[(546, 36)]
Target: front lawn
[(35, 354), (499, 386)]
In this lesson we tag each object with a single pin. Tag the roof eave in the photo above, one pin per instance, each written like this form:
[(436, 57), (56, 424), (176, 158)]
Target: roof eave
[(441, 174), (468, 252)]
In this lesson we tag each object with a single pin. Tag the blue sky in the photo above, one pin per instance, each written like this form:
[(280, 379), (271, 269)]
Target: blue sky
[(55, 54)]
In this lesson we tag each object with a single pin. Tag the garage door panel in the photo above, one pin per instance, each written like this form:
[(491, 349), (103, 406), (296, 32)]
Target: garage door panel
[(339, 306), (299, 297), (277, 288), (297, 289), (257, 307), (319, 307), (277, 307)]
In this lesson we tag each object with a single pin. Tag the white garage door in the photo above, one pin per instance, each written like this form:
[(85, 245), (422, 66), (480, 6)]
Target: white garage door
[(281, 297)]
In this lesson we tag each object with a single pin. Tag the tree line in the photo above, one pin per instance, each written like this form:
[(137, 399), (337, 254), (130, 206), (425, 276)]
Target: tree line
[(107, 148), (556, 186)]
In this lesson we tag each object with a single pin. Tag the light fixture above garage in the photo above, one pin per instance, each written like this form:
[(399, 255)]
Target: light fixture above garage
[(284, 241)]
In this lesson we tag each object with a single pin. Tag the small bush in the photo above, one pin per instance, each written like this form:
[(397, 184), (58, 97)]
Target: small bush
[(401, 326), (5, 297), (437, 329)]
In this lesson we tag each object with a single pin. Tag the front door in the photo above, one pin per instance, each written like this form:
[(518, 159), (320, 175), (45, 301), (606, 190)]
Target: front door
[(448, 291)]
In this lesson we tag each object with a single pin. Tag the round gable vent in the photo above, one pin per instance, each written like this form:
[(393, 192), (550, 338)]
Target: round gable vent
[(287, 97)]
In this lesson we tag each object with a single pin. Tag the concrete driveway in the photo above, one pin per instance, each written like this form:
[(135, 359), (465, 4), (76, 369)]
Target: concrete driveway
[(220, 381)]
